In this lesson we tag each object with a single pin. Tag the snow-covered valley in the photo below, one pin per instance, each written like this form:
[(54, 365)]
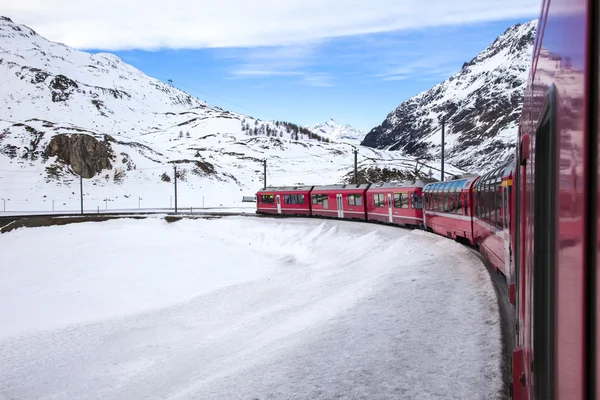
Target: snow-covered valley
[(244, 308)]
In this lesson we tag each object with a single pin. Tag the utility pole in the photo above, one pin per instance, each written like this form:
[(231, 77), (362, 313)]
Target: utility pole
[(175, 175), (355, 166), (139, 202), (4, 201), (443, 144), (265, 174), (81, 191)]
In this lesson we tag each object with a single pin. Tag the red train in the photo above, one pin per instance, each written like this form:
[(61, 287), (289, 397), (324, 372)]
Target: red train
[(535, 218), (395, 202)]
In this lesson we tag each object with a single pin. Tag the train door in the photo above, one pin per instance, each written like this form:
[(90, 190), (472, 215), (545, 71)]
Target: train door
[(389, 200), (278, 198), (340, 205)]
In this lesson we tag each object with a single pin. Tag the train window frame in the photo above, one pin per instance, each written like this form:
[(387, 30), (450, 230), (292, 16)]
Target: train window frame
[(317, 198)]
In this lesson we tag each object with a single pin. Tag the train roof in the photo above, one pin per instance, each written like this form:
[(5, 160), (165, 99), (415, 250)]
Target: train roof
[(496, 175), (286, 189), (350, 186), (397, 184), (461, 184)]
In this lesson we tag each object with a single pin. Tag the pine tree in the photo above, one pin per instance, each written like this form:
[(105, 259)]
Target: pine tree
[(180, 134), (187, 134)]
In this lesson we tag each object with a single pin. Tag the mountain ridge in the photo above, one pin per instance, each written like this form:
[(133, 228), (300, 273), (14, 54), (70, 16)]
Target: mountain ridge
[(481, 105)]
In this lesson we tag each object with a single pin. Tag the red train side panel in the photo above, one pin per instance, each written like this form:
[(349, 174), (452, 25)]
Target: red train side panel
[(339, 201), (293, 200), (399, 203), (449, 208), (552, 358)]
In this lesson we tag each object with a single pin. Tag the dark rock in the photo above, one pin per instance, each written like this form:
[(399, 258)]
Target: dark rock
[(86, 155)]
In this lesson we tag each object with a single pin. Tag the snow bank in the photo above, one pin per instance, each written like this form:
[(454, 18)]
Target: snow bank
[(244, 308)]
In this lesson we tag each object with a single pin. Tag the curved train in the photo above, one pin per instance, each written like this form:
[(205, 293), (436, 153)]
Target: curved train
[(535, 218)]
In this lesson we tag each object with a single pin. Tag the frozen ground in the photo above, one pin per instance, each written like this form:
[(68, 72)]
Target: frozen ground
[(244, 308)]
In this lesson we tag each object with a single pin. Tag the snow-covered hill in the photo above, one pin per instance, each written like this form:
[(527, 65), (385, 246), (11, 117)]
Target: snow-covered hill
[(481, 105), (337, 132), (66, 113)]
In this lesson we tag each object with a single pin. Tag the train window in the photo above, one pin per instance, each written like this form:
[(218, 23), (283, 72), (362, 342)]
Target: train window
[(319, 199), (293, 199), (416, 201), (268, 199), (400, 200), (379, 200), (404, 197), (355, 199), (486, 202), (507, 191), (499, 205)]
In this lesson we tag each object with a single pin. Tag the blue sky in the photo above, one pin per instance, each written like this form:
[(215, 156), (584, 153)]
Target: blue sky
[(303, 61), (357, 79)]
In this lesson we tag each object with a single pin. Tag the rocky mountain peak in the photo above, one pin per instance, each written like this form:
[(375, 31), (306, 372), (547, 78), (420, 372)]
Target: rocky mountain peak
[(481, 105), (337, 132)]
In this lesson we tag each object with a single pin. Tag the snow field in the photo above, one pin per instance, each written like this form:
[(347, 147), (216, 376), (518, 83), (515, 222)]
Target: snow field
[(244, 308)]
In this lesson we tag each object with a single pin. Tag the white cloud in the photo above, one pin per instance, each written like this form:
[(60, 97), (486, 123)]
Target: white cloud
[(318, 80), (425, 68), (272, 61), (152, 24)]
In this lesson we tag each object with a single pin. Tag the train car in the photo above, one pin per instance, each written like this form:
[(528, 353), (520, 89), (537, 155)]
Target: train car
[(288, 200), (492, 217), (399, 203), (339, 201), (448, 209), (557, 308)]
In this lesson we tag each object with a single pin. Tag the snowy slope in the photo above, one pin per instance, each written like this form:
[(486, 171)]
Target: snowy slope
[(337, 132), (481, 105), (135, 130), (244, 308)]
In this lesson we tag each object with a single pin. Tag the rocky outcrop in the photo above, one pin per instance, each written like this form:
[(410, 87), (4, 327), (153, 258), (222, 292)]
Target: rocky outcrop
[(62, 87), (481, 106), (86, 155)]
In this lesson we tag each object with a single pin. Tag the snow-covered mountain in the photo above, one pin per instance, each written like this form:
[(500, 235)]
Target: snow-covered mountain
[(65, 113), (481, 105), (337, 132)]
